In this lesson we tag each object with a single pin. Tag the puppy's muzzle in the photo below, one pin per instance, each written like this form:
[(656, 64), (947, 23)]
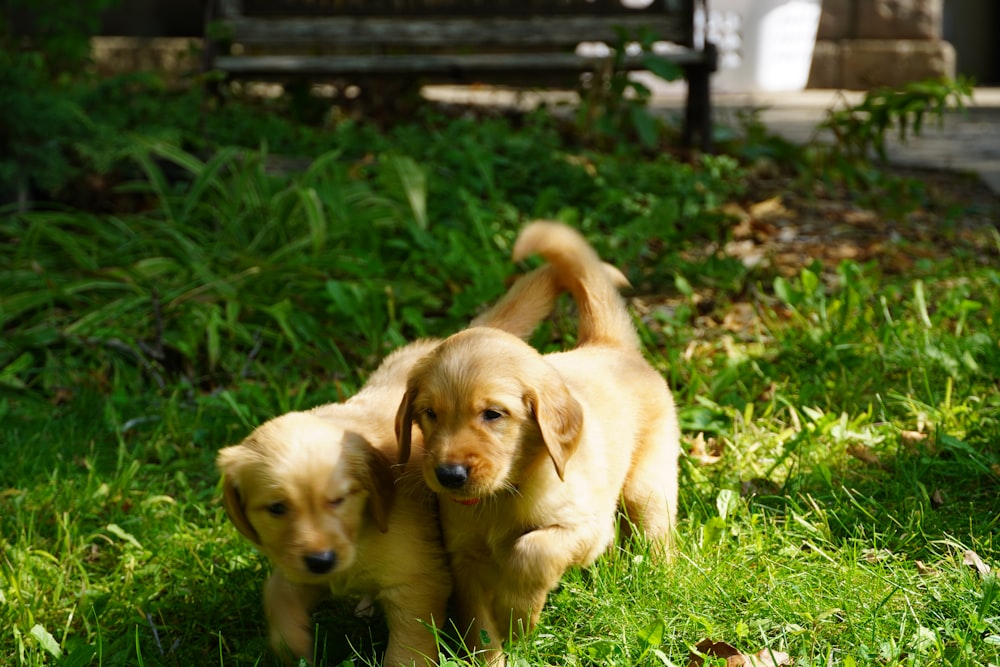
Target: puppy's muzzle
[(321, 562), (451, 476)]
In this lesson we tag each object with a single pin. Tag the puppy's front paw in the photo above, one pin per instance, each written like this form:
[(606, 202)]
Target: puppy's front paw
[(538, 559), (291, 643), (287, 607)]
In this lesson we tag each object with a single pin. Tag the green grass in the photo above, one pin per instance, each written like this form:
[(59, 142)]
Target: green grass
[(214, 289)]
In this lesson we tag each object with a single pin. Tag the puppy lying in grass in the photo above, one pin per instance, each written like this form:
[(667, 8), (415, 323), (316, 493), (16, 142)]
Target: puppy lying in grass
[(532, 455), (318, 493)]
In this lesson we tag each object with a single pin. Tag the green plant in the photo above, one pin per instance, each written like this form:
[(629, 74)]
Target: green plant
[(43, 46), (860, 130), (859, 133), (58, 32), (840, 154), (614, 104), (37, 130)]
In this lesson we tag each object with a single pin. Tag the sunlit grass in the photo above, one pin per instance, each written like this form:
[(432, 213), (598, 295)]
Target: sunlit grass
[(852, 424)]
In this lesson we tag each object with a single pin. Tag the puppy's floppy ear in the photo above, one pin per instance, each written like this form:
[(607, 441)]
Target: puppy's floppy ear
[(404, 423), (375, 474), (560, 420), (229, 461)]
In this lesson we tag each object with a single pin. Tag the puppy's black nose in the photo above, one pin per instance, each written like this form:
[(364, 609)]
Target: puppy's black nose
[(321, 562), (451, 476)]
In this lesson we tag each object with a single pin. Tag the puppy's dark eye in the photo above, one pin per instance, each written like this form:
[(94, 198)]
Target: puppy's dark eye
[(491, 415), (277, 509), (336, 502), (430, 414)]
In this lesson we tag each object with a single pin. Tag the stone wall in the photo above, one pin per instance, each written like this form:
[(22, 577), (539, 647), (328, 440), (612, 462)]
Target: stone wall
[(867, 43)]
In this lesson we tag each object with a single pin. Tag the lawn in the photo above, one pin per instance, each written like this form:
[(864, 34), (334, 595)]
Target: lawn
[(194, 268)]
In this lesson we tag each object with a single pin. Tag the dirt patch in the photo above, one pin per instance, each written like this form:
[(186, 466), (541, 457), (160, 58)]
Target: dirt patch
[(780, 227)]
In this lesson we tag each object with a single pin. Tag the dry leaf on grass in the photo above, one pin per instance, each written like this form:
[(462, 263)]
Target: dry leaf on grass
[(740, 317), (769, 209), (864, 453), (937, 499), (705, 453), (768, 658), (912, 436), (734, 658), (759, 486), (918, 441), (972, 559), (876, 555)]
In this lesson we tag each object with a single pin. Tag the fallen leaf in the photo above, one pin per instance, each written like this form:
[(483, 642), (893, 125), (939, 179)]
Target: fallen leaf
[(864, 453), (759, 486), (768, 658), (918, 440), (912, 436), (764, 231), (937, 499), (972, 559), (586, 164), (734, 658), (705, 453), (770, 209), (767, 393), (707, 647), (876, 555), (740, 317), (61, 395), (744, 228), (923, 569), (863, 217), (748, 252)]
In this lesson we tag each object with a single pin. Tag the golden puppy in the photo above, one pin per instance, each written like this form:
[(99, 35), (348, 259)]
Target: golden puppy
[(318, 493), (531, 455)]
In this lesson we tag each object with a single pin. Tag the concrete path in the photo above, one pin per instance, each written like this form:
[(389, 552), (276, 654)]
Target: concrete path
[(969, 141)]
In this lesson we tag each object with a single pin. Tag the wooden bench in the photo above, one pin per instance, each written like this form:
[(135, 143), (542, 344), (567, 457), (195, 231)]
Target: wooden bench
[(520, 42)]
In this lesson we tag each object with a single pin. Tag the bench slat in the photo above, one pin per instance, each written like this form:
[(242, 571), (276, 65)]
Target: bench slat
[(473, 40), (444, 8), (350, 31), (446, 64)]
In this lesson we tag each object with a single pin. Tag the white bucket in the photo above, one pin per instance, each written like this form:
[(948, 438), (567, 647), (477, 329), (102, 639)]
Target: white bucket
[(764, 45)]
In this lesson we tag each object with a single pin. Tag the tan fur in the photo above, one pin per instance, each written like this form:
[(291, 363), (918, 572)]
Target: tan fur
[(549, 446), (321, 484)]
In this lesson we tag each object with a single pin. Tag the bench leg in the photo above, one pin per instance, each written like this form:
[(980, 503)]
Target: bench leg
[(698, 111), (210, 49)]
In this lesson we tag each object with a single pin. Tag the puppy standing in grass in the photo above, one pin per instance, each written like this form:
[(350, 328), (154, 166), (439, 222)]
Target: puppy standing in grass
[(532, 455), (318, 493)]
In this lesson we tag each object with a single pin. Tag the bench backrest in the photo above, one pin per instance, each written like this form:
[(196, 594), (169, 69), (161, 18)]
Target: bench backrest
[(452, 24)]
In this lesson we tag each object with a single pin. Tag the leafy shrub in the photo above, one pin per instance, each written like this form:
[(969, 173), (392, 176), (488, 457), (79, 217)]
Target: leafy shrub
[(38, 128), (40, 124), (355, 253)]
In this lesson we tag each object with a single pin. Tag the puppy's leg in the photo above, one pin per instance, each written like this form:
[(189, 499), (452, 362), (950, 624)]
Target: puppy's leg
[(539, 558), (287, 606), (410, 614), (650, 491), (473, 599), (537, 562), (518, 609)]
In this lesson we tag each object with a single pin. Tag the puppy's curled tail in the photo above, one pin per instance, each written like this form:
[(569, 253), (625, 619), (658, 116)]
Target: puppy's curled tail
[(531, 299), (604, 318)]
